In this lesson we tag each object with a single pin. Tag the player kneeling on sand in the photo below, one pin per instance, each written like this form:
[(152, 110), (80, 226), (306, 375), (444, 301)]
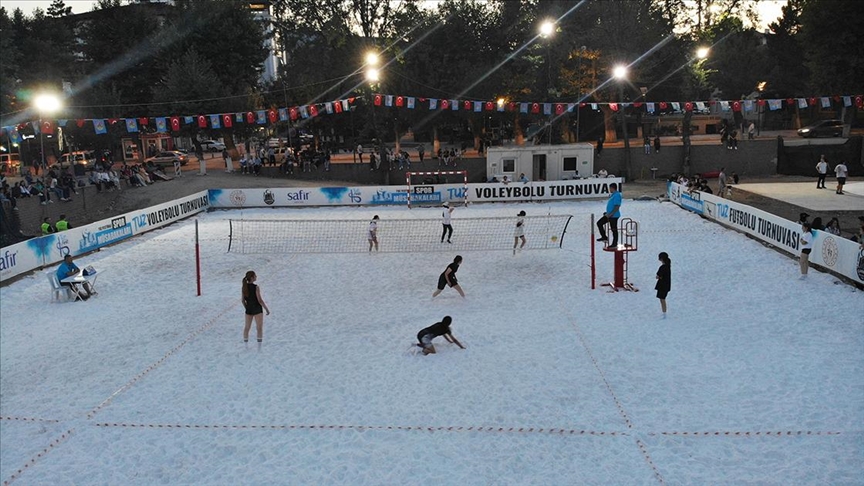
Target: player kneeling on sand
[(442, 328)]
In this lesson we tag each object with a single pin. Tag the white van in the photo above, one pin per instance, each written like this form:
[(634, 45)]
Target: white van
[(9, 164), (77, 158)]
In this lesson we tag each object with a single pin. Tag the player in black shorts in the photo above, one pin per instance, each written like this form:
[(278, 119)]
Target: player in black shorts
[(448, 277), (254, 305), (664, 280), (425, 336)]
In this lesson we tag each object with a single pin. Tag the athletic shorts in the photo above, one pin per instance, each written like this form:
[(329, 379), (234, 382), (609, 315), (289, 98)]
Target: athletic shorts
[(841, 180), (520, 231), (442, 281), (426, 341), (661, 294)]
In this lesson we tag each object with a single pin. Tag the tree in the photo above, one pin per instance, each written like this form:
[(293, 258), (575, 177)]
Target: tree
[(59, 9), (831, 35)]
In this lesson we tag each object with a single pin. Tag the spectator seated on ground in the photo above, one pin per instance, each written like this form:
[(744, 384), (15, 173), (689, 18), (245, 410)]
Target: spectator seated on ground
[(95, 180), (833, 227), (602, 173), (243, 164), (817, 224)]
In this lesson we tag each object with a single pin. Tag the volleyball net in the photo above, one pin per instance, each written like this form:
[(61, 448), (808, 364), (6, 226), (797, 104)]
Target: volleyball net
[(398, 235)]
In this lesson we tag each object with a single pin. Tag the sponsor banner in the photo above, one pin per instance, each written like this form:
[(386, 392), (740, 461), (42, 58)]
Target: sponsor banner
[(691, 201), (832, 252), (19, 258), (421, 194), (47, 250)]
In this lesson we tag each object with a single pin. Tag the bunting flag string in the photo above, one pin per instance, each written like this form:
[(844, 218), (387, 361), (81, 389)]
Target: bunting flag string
[(226, 121)]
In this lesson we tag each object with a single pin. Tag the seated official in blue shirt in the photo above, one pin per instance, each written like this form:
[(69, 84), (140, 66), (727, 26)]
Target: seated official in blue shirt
[(69, 269)]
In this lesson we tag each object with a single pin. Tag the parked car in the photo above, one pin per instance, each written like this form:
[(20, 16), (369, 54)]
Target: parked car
[(81, 157), (824, 128), (9, 164), (167, 158), (212, 146)]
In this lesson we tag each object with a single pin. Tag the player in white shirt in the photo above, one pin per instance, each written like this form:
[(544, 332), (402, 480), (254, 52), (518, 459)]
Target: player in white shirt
[(372, 234), (841, 170), (520, 231), (448, 228)]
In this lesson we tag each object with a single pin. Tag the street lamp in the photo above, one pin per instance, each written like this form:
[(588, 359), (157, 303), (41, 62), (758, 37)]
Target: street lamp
[(620, 73), (761, 88), (702, 52), (45, 104)]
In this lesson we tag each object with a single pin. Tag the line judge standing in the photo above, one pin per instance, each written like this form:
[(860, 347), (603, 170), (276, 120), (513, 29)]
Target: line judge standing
[(446, 214)]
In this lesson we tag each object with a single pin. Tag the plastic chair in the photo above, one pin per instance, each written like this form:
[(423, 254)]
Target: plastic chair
[(58, 290)]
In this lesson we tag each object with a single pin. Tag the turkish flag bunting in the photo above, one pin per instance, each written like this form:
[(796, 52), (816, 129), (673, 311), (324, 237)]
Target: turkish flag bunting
[(466, 105), (378, 100), (637, 104), (272, 115), (688, 106), (80, 122), (812, 101), (293, 114), (613, 106), (511, 106), (202, 121), (535, 108), (113, 121), (445, 104), (490, 106), (581, 105), (859, 101), (760, 102), (559, 109), (143, 120), (400, 101), (736, 106), (337, 106), (664, 105), (313, 110), (175, 123), (46, 127), (790, 101), (250, 117), (227, 121), (837, 98)]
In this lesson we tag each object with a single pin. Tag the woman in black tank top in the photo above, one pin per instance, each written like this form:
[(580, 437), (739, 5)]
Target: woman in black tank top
[(254, 305)]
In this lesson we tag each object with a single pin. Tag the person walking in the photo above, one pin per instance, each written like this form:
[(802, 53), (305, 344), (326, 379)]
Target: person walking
[(448, 278), (657, 143), (229, 167), (425, 336), (664, 280), (610, 217), (841, 170), (722, 180), (359, 152), (372, 233), (254, 305), (520, 231), (446, 214), (421, 152), (822, 171), (806, 244)]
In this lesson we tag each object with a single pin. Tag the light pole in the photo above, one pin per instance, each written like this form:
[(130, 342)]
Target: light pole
[(579, 91), (45, 104), (761, 88), (620, 73), (547, 29)]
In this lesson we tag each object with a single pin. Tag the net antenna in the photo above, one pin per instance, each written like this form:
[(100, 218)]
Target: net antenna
[(426, 192)]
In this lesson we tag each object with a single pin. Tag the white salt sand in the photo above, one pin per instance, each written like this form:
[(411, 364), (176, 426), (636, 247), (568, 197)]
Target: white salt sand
[(754, 377)]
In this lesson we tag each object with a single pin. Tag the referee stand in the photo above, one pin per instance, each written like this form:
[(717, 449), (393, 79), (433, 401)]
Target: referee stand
[(628, 232)]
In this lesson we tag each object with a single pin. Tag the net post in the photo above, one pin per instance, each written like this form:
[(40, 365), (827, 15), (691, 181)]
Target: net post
[(408, 181), (198, 260), (465, 188), (593, 262)]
